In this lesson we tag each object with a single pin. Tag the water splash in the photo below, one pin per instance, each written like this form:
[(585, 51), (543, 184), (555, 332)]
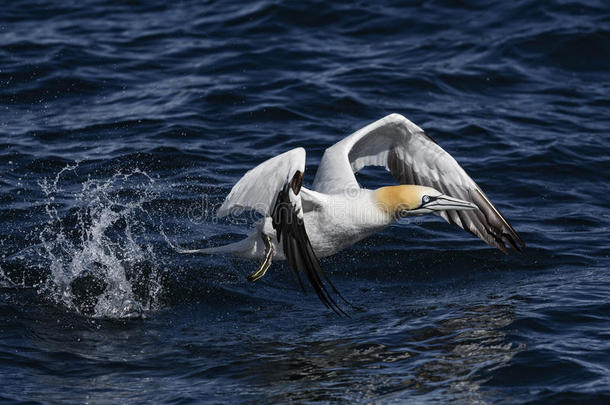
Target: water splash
[(100, 263), (5, 281)]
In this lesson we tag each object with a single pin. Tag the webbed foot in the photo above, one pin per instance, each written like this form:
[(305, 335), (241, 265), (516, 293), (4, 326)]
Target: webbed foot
[(266, 262)]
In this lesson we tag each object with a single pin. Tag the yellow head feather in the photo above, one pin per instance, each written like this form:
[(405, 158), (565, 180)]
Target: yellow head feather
[(393, 199)]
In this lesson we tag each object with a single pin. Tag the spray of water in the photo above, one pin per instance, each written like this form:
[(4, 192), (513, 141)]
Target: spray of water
[(5, 281), (95, 244)]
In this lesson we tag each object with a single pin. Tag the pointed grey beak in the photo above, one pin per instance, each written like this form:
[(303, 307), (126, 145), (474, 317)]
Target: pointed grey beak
[(444, 202)]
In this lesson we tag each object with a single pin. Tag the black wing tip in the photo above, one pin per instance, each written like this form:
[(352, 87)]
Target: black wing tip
[(506, 241), (297, 181), (290, 230), (310, 265), (507, 234), (513, 239)]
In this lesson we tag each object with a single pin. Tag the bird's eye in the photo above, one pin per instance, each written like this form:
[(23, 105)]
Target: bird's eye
[(426, 199)]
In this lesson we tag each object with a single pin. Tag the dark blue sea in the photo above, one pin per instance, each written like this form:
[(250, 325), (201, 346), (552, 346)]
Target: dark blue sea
[(124, 124)]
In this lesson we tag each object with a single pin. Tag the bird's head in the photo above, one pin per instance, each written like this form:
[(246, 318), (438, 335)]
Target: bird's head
[(404, 200)]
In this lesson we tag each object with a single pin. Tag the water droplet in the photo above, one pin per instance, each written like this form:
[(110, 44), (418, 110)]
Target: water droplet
[(131, 309)]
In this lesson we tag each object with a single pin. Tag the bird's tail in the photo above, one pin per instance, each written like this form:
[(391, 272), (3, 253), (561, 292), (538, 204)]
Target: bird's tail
[(237, 248)]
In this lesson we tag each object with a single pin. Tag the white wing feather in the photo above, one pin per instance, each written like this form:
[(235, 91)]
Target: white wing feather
[(413, 157), (258, 188), (339, 163)]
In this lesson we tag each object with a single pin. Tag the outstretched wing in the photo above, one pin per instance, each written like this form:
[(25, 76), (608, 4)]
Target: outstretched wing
[(412, 157), (273, 189)]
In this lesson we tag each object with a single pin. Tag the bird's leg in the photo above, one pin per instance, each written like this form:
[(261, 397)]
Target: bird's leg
[(266, 263)]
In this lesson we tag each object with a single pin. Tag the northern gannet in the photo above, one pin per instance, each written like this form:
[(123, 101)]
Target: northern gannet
[(300, 225)]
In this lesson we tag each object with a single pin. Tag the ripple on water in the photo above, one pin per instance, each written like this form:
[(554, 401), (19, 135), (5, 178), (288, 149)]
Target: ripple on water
[(125, 124)]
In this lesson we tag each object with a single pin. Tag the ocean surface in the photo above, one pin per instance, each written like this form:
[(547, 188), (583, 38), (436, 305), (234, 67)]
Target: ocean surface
[(124, 124)]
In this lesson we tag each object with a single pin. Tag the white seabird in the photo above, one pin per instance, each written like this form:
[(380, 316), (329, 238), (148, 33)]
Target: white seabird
[(301, 225)]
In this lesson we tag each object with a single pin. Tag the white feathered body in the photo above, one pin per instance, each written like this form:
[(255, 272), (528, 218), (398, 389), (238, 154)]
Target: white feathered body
[(333, 222)]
